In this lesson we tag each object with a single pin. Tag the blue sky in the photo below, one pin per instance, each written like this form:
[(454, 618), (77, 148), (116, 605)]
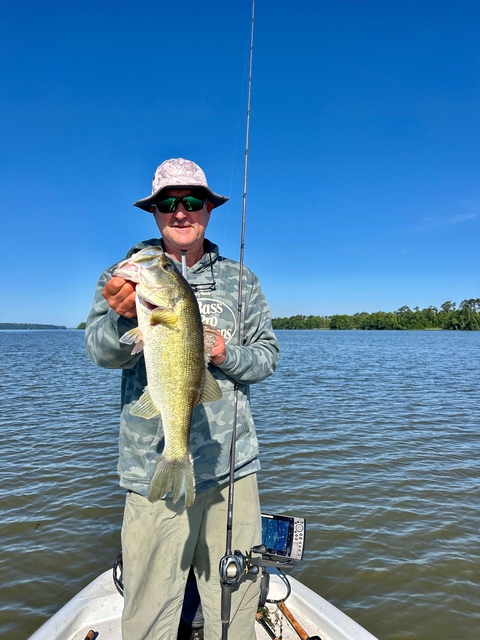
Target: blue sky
[(364, 163)]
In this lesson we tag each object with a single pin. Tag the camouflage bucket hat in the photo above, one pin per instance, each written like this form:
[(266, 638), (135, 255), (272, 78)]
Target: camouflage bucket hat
[(179, 173)]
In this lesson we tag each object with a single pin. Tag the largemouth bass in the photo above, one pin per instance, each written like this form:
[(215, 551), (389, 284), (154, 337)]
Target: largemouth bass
[(170, 332)]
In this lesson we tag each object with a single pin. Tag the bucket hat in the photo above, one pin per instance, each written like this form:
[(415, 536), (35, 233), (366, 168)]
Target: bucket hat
[(178, 173)]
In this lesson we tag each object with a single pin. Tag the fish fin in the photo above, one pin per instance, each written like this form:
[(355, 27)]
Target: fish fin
[(134, 336), (173, 475), (144, 406), (211, 389), (162, 315)]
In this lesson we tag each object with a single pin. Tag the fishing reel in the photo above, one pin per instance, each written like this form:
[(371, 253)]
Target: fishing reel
[(235, 565)]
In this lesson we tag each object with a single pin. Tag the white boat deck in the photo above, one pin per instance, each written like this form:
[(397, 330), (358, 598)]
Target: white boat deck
[(98, 608)]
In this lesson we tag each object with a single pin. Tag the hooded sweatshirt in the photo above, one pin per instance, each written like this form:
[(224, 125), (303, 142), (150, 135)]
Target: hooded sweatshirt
[(250, 360)]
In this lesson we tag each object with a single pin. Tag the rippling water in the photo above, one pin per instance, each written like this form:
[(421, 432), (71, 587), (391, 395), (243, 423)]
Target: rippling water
[(372, 436)]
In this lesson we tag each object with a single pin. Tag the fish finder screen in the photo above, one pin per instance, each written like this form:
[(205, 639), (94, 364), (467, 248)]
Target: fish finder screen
[(277, 536)]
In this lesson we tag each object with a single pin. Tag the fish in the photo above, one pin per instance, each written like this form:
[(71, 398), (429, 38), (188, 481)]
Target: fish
[(170, 333)]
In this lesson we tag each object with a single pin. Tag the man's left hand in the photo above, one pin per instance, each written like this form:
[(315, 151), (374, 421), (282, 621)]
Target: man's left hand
[(215, 344)]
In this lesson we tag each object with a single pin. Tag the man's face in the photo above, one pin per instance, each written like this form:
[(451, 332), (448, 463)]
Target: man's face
[(182, 229)]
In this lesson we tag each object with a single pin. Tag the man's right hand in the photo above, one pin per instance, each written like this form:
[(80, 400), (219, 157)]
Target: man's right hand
[(120, 295)]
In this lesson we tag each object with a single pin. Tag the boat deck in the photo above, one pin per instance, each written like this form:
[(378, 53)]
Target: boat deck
[(98, 608)]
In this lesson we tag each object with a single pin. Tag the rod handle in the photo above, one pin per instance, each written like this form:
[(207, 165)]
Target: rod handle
[(303, 635)]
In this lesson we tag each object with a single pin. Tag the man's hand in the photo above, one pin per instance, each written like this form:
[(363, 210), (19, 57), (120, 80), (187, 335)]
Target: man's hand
[(215, 344), (120, 295)]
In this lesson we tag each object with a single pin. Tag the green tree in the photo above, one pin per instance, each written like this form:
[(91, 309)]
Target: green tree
[(342, 322), (473, 304), (448, 306)]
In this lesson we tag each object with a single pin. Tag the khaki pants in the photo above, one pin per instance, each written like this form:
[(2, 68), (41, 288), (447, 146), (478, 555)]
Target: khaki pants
[(161, 540)]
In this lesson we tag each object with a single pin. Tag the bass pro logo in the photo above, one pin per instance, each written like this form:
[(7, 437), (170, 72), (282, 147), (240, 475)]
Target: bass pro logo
[(218, 315)]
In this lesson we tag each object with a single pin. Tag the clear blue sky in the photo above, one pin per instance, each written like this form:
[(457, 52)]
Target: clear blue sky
[(364, 164)]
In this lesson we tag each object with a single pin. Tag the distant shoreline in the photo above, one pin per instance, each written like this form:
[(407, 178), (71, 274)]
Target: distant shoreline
[(449, 317), (15, 326)]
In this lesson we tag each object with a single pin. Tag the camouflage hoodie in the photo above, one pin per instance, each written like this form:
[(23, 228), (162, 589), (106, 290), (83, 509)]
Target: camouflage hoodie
[(215, 281)]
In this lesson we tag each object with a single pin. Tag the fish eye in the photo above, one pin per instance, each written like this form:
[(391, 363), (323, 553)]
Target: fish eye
[(165, 263)]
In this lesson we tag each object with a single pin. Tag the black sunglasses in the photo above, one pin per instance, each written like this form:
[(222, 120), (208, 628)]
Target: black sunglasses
[(190, 203)]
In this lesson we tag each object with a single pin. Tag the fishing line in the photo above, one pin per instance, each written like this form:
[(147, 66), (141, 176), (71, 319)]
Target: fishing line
[(234, 156), (230, 563)]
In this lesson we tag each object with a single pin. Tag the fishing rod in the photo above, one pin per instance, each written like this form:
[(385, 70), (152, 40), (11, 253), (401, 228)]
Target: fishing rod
[(234, 565)]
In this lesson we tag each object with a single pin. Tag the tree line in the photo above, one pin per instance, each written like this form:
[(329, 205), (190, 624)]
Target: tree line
[(465, 317), (27, 325)]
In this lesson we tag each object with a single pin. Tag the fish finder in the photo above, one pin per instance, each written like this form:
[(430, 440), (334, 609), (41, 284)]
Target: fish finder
[(284, 539)]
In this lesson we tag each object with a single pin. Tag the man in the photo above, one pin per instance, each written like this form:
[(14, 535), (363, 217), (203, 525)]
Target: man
[(161, 540)]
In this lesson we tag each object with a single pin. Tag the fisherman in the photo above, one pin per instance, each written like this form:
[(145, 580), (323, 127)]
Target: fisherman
[(162, 540)]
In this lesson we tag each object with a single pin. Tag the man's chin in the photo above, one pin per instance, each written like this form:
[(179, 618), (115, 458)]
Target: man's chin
[(183, 236)]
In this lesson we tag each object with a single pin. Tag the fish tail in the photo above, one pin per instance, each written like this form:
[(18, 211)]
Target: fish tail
[(173, 475)]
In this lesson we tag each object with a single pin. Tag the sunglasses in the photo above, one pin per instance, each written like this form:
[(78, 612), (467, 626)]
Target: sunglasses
[(190, 203)]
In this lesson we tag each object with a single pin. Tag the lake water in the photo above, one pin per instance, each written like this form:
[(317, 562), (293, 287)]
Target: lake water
[(373, 437)]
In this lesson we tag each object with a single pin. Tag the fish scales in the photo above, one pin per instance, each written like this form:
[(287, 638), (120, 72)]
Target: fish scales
[(170, 332)]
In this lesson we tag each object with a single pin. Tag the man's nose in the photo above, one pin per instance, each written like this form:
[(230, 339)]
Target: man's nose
[(180, 212)]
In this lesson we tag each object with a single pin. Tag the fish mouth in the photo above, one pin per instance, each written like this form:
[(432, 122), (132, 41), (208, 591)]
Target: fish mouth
[(145, 302), (128, 271), (131, 268)]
